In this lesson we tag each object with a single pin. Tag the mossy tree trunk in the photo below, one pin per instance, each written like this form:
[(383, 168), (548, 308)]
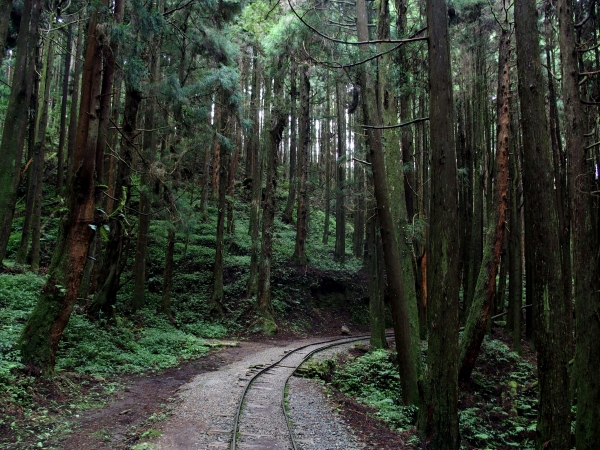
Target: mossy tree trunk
[(551, 310), (340, 179), (439, 411), (485, 289), (254, 165), (299, 256), (109, 276), (60, 173), (221, 123), (15, 121), (39, 340), (278, 122), (391, 255), (75, 98), (586, 267), (388, 105), (150, 148), (291, 200)]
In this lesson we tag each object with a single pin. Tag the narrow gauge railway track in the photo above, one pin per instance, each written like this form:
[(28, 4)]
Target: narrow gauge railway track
[(261, 420)]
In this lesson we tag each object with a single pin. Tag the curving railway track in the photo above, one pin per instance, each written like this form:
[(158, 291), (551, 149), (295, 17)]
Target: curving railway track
[(261, 421)]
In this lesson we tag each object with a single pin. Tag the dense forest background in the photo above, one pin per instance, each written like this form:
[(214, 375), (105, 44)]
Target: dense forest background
[(179, 170)]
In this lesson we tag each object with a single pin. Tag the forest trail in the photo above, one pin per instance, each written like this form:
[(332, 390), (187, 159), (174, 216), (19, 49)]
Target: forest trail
[(193, 406), (205, 417), (127, 416)]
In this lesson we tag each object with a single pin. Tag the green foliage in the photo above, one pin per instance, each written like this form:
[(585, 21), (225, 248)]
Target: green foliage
[(151, 343), (373, 379), (18, 295)]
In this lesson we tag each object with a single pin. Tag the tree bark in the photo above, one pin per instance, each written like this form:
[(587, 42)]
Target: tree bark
[(216, 301), (586, 267), (106, 297), (339, 254), (60, 174), (551, 310), (15, 121), (391, 255), (278, 122), (73, 114), (299, 256), (149, 152), (485, 289), (291, 200), (39, 340), (440, 405)]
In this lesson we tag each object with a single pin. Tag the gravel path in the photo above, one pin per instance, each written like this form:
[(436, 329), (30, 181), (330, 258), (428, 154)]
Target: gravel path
[(316, 426), (204, 419)]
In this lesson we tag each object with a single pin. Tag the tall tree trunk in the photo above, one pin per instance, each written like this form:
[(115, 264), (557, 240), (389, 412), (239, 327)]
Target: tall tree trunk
[(586, 267), (43, 111), (486, 281), (327, 149), (376, 273), (39, 340), (73, 113), (560, 170), (439, 409), (278, 122), (551, 310), (388, 107), (515, 281), (254, 164), (299, 256), (150, 147), (60, 174), (291, 200), (109, 276), (391, 255), (216, 301), (15, 121), (340, 188)]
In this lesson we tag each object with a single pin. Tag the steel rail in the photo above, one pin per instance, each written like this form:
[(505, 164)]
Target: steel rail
[(329, 343)]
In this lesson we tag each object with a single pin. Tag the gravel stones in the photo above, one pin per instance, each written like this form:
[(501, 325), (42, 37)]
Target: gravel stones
[(204, 419), (316, 426)]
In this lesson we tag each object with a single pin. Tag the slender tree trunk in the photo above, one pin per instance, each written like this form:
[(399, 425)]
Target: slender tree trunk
[(394, 168), (299, 256), (291, 200), (150, 146), (15, 121), (327, 149), (340, 191), (216, 302), (106, 296), (278, 122), (73, 114), (60, 176), (255, 166), (376, 273), (439, 410), (551, 310), (515, 281), (39, 340), (586, 267), (168, 275), (486, 281), (391, 255)]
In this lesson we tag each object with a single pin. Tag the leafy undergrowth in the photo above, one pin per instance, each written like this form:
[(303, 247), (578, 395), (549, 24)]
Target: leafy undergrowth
[(91, 355), (498, 407)]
